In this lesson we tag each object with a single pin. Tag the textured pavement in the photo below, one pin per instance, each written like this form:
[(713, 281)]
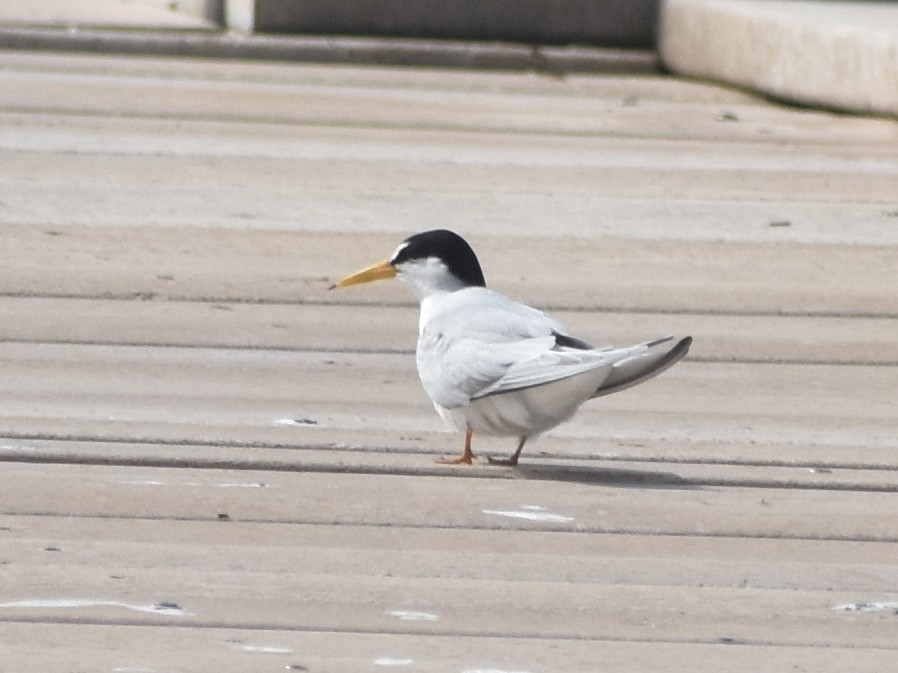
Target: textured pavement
[(212, 462)]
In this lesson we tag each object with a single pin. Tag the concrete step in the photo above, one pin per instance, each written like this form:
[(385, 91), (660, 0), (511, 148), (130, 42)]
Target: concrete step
[(838, 55), (133, 14)]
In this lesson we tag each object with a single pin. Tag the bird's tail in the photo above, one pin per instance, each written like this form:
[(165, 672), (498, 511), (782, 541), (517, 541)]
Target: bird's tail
[(651, 360)]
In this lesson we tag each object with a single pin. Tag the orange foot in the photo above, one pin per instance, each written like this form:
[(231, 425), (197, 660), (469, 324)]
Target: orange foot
[(466, 458)]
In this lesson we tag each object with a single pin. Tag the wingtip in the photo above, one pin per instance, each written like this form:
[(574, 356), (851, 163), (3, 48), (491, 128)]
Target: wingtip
[(659, 341), (679, 350), (651, 363), (684, 343)]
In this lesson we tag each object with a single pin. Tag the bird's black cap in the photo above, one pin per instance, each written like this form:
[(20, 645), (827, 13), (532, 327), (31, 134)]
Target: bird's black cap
[(447, 246)]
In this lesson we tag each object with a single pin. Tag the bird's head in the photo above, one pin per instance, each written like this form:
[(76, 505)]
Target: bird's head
[(432, 261)]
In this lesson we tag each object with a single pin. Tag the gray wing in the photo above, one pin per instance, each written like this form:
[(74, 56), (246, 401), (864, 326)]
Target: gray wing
[(455, 371), (483, 343), (622, 367)]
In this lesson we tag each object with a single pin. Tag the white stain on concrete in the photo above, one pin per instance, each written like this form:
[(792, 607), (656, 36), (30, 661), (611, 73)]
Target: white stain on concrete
[(413, 616), (264, 649), (165, 609), (295, 422), (192, 484), (531, 513), (867, 607), (20, 448), (390, 661)]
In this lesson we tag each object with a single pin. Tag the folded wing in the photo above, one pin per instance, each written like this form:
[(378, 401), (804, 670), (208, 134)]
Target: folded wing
[(489, 345)]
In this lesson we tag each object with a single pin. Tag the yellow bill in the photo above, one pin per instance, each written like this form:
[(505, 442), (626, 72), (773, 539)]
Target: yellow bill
[(380, 271)]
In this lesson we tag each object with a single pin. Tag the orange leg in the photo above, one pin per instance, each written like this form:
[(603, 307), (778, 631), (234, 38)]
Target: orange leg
[(510, 462), (466, 458)]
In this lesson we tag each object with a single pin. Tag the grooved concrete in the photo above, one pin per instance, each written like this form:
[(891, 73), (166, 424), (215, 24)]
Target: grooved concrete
[(839, 55), (212, 463)]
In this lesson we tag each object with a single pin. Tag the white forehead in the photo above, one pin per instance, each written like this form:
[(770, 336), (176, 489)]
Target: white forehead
[(402, 246)]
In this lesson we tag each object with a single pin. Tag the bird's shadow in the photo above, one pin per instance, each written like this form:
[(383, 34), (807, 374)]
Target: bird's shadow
[(603, 476)]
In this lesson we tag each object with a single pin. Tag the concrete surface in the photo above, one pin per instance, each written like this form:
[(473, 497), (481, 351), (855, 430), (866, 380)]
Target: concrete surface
[(210, 462), (839, 55)]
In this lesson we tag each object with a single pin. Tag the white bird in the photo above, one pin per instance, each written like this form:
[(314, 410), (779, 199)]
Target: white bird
[(494, 366)]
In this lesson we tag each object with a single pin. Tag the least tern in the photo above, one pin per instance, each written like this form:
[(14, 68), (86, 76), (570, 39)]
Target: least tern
[(494, 366)]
